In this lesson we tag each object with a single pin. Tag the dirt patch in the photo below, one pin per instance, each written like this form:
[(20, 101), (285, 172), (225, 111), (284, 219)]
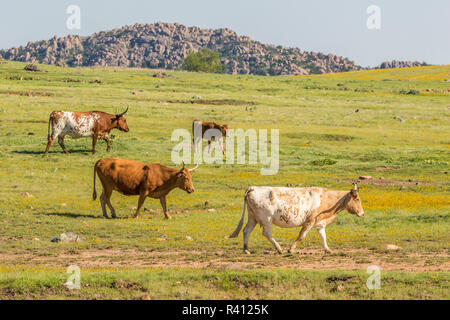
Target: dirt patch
[(71, 80), (174, 211), (380, 182), (305, 259), (381, 169), (229, 102), (4, 238), (320, 136), (24, 121), (342, 139), (8, 293), (29, 93), (125, 284), (336, 137)]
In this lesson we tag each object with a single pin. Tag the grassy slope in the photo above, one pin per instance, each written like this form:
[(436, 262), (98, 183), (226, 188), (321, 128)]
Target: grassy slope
[(310, 112)]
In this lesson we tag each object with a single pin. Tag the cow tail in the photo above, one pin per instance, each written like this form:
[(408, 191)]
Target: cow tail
[(94, 194), (241, 222), (49, 123)]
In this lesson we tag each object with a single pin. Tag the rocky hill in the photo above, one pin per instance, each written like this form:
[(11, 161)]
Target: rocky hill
[(165, 45)]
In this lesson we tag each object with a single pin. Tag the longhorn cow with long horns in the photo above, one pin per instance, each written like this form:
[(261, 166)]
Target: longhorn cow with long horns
[(132, 178), (95, 124)]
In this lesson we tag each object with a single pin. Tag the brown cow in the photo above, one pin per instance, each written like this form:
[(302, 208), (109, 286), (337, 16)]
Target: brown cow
[(205, 127), (95, 124), (133, 178), (295, 207)]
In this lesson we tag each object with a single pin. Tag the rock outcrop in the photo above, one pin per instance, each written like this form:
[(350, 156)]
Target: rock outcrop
[(165, 45)]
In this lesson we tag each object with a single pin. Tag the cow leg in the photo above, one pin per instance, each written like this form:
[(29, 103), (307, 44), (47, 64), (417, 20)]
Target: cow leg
[(301, 236), (61, 143), (108, 145), (251, 223), (222, 143), (323, 237), (49, 144), (141, 200), (195, 142), (198, 145), (102, 202), (267, 232), (108, 202), (163, 204), (51, 137), (94, 142)]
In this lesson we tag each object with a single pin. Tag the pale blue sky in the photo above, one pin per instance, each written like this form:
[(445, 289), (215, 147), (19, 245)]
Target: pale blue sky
[(410, 30)]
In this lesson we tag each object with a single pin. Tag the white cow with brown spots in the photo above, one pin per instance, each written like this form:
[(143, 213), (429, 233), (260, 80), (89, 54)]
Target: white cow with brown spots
[(295, 207), (95, 124)]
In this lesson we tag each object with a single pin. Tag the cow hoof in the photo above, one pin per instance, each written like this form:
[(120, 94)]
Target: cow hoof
[(168, 217), (329, 251), (114, 217), (293, 251), (247, 252)]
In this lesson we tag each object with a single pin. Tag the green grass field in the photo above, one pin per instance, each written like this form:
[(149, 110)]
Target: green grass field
[(323, 142)]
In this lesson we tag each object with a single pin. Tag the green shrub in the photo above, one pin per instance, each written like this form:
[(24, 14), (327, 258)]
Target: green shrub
[(323, 162), (411, 91), (204, 60)]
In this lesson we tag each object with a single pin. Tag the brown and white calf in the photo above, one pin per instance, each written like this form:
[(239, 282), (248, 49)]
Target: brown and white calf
[(95, 124), (295, 207), (205, 126)]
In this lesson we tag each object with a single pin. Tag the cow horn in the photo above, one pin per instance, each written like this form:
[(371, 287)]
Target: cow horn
[(190, 170), (184, 165), (123, 113)]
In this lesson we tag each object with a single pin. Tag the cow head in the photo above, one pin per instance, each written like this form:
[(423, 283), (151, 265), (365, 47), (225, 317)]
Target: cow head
[(223, 129), (354, 205), (120, 122), (184, 179)]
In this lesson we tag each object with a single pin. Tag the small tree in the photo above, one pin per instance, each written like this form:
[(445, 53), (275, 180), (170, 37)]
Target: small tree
[(204, 60)]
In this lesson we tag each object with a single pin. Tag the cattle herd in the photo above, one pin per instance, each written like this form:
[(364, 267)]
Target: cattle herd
[(284, 207)]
